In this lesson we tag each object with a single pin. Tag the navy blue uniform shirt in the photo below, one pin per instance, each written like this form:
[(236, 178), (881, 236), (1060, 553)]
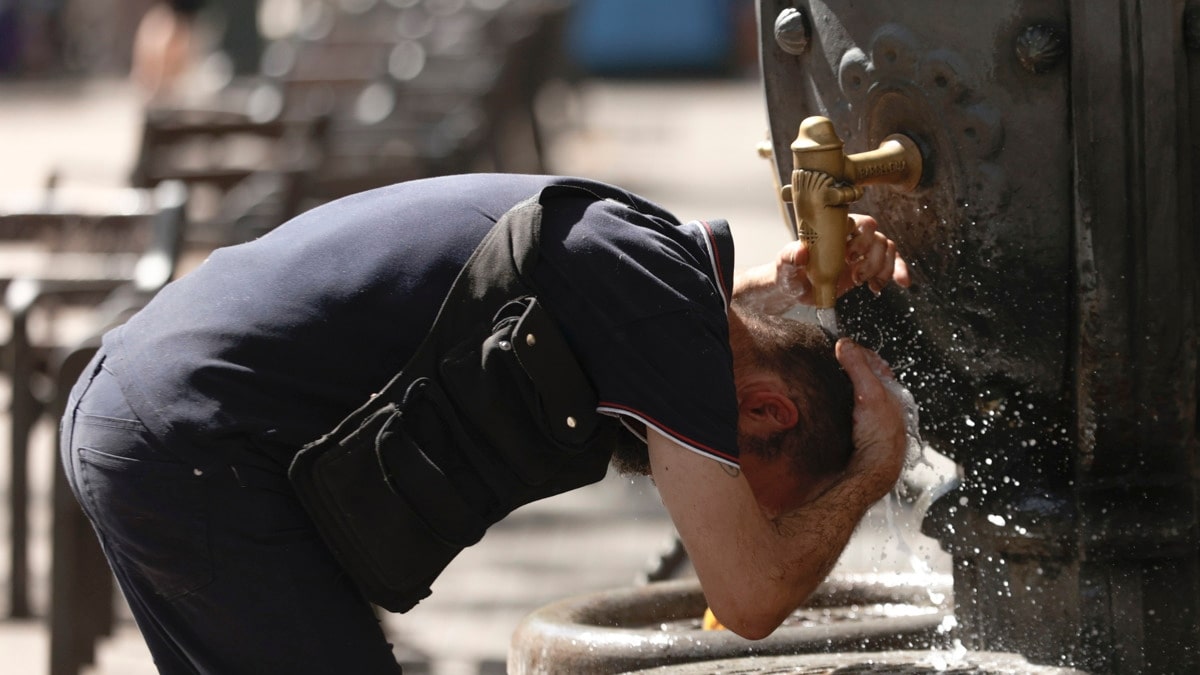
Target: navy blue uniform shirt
[(273, 341)]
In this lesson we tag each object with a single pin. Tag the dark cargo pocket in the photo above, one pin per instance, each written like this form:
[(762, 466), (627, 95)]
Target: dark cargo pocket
[(385, 499), (420, 450)]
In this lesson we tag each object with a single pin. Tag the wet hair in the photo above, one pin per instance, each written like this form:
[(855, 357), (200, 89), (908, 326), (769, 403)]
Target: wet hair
[(803, 355)]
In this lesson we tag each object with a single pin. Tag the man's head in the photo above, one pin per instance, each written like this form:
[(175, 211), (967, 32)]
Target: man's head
[(794, 411), (795, 407)]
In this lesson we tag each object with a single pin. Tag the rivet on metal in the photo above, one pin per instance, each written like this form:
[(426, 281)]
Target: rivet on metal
[(504, 345), (530, 340), (1040, 47), (791, 31), (571, 422)]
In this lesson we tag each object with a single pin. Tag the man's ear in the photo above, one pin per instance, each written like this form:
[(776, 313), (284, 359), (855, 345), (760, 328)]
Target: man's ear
[(767, 410)]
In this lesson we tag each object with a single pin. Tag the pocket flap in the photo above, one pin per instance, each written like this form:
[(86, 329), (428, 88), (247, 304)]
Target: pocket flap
[(564, 393)]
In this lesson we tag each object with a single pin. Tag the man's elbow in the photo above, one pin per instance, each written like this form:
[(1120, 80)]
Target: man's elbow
[(755, 631), (751, 620), (755, 609)]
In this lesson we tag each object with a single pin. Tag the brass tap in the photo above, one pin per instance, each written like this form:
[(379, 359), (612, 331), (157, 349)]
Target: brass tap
[(824, 182)]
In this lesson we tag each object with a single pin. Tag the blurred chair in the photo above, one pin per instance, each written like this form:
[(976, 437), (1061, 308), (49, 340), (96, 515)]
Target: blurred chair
[(531, 33), (72, 269), (394, 115), (419, 88), (247, 173)]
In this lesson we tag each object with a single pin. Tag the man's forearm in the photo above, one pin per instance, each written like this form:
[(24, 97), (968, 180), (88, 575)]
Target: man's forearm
[(814, 536), (755, 570)]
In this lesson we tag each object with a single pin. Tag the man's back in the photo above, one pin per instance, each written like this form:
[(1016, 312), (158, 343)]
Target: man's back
[(277, 339)]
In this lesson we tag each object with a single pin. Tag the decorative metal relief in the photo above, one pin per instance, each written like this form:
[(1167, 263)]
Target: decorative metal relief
[(943, 88)]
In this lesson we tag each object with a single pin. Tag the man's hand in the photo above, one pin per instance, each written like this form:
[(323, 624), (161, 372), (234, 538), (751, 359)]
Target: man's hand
[(871, 259), (879, 430)]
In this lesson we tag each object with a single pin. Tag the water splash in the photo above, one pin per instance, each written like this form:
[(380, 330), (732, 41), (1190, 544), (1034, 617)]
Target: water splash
[(916, 458), (827, 319)]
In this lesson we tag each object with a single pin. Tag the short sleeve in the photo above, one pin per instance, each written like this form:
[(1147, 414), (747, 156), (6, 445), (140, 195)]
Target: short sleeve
[(643, 300), (676, 376)]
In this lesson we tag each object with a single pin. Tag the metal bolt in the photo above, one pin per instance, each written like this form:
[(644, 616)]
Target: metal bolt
[(791, 31)]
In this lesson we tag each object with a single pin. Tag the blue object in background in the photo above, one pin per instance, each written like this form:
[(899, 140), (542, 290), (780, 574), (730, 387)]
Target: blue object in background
[(627, 37)]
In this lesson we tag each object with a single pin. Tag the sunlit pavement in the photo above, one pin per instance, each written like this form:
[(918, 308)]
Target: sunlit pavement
[(689, 145)]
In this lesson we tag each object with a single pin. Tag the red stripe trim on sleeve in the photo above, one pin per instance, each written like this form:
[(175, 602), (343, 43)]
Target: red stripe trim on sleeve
[(618, 409), (715, 259)]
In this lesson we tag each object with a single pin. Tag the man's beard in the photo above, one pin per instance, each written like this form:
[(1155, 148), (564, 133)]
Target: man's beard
[(631, 458), (764, 448)]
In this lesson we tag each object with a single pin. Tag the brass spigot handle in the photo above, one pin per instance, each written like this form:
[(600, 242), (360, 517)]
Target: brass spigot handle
[(897, 161), (825, 181)]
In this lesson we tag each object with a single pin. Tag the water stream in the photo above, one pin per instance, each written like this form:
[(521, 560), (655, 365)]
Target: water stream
[(903, 498), (827, 318)]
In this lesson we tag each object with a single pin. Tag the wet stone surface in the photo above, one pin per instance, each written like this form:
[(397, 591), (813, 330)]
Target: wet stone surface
[(954, 662), (824, 616)]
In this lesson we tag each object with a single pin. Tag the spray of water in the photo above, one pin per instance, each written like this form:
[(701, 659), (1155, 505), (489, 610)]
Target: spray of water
[(915, 458), (827, 318), (789, 281)]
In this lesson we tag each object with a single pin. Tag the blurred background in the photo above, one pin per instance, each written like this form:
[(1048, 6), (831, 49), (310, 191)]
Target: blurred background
[(136, 136)]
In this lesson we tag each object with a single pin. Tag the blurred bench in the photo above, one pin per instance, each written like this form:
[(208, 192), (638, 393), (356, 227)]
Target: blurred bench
[(73, 263), (246, 174), (401, 89), (420, 88)]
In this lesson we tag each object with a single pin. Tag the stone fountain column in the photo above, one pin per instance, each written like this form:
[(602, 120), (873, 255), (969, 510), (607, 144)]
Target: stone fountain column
[(1050, 334)]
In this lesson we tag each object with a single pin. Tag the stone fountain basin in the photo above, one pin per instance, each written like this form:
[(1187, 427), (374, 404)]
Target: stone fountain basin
[(869, 663), (657, 624)]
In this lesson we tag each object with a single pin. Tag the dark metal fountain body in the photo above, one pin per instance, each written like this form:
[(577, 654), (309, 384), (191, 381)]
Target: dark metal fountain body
[(1050, 333)]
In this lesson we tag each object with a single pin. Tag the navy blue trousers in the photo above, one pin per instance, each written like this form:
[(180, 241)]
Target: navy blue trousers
[(220, 564)]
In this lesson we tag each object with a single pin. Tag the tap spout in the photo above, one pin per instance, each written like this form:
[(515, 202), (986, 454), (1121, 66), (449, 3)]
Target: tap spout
[(825, 180)]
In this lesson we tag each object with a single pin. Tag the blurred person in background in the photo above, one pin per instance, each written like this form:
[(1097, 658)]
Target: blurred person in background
[(164, 46), (170, 40)]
